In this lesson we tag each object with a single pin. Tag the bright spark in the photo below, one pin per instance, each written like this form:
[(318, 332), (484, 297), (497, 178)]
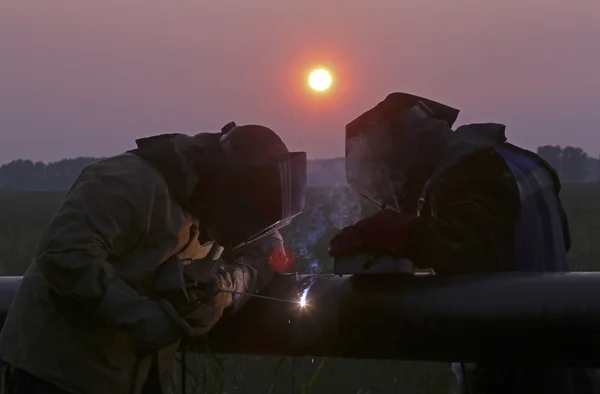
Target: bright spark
[(303, 298)]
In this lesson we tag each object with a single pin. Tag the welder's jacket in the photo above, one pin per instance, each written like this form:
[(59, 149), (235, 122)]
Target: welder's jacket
[(119, 220), (489, 207)]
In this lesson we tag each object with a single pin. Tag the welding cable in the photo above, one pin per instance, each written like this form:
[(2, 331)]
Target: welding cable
[(465, 380), (182, 363)]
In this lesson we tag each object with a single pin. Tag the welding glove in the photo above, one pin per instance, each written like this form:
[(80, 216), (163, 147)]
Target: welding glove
[(252, 267), (210, 295), (381, 234)]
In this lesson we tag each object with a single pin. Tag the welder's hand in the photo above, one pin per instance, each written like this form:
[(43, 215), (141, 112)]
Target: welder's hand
[(382, 233), (201, 280), (211, 302)]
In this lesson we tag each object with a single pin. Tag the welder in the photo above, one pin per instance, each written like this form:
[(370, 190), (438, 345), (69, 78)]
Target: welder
[(95, 312), (458, 201)]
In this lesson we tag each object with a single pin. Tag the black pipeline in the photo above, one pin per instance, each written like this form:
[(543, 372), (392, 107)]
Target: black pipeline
[(547, 318)]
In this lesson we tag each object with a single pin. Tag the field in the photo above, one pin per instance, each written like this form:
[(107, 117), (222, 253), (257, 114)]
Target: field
[(24, 215)]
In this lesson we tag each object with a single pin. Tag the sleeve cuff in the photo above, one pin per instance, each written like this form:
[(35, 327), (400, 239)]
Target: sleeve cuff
[(151, 326)]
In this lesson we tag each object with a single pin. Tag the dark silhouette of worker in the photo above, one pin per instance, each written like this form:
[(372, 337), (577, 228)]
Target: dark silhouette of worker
[(143, 253), (458, 201)]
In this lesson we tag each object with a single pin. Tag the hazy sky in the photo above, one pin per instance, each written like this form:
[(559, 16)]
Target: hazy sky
[(87, 77)]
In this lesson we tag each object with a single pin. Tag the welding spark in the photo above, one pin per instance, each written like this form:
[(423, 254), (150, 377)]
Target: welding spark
[(303, 297)]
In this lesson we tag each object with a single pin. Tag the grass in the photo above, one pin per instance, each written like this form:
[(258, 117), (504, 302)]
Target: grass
[(24, 216)]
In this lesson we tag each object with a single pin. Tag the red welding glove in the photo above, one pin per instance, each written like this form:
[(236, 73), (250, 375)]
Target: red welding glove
[(382, 234)]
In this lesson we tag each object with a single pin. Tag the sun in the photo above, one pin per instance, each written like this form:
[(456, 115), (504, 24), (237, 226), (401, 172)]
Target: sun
[(320, 79)]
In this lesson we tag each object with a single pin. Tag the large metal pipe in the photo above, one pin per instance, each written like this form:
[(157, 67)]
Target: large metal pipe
[(548, 318)]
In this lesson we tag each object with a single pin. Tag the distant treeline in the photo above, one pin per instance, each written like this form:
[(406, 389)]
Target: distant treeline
[(572, 164), (29, 175)]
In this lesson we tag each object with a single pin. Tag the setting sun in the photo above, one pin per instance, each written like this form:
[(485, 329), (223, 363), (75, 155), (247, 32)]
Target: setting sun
[(319, 79)]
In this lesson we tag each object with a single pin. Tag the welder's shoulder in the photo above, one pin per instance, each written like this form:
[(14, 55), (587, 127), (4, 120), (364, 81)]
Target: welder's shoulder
[(126, 166), (483, 164), (484, 176), (125, 177)]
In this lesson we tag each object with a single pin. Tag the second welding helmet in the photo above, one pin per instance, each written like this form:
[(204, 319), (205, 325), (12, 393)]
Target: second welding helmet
[(386, 148), (260, 188)]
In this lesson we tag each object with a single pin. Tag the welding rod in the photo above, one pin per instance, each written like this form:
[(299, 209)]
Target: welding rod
[(260, 296)]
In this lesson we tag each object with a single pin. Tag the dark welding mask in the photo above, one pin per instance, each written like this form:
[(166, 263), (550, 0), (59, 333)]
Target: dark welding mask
[(385, 145), (261, 187)]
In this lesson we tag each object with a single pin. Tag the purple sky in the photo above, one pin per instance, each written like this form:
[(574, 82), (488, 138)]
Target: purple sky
[(88, 77)]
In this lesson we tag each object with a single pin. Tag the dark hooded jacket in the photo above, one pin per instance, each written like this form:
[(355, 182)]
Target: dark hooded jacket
[(72, 321), (484, 196), (490, 206)]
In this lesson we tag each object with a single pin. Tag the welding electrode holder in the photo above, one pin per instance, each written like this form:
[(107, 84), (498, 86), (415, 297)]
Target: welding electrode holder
[(175, 289)]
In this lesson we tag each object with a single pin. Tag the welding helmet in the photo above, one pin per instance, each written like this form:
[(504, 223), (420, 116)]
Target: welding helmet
[(260, 188), (387, 148)]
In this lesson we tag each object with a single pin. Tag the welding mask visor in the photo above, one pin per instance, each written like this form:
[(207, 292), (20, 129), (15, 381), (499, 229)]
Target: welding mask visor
[(257, 199), (384, 143)]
